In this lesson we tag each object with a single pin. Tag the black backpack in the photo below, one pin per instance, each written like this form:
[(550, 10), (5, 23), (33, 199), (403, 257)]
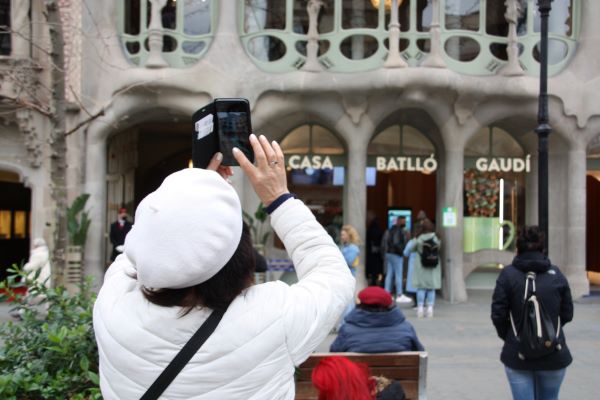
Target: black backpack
[(396, 240), (537, 336), (430, 254)]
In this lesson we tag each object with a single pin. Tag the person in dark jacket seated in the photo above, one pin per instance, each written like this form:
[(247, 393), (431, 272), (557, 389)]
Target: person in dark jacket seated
[(376, 325)]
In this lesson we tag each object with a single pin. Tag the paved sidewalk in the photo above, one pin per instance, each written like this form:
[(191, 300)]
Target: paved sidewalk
[(464, 351)]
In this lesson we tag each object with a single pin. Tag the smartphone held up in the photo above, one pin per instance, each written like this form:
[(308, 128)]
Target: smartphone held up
[(219, 127)]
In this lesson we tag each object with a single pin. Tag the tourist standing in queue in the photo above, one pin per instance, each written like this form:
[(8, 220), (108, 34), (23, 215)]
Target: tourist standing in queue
[(427, 274), (118, 231), (373, 260), (538, 377), (393, 243), (349, 245)]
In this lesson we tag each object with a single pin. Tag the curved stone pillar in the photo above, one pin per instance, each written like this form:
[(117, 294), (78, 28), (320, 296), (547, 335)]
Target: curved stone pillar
[(575, 269), (355, 188), (95, 185)]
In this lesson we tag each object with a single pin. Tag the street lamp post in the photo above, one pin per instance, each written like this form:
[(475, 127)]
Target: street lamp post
[(543, 129)]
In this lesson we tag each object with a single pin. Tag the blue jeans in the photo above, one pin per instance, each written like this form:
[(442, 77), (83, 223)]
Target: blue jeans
[(422, 293), (395, 265), (535, 385)]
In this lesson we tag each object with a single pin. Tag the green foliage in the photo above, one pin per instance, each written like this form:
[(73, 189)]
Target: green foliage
[(258, 225), (78, 221), (51, 353)]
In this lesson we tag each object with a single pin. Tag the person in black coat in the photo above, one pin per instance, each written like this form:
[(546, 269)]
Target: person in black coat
[(376, 325), (118, 230), (374, 261), (540, 378)]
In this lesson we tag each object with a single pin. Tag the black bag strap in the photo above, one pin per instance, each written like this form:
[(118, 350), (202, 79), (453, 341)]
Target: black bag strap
[(184, 356)]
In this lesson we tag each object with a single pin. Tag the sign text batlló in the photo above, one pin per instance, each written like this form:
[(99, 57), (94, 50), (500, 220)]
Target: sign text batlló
[(404, 163)]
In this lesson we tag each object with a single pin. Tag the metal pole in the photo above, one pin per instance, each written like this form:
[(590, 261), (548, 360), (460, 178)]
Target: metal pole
[(543, 129)]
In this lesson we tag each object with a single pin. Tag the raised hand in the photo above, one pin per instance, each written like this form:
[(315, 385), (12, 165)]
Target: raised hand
[(268, 176)]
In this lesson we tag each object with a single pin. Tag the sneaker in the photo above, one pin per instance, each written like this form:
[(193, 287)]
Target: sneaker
[(420, 312), (403, 299), (429, 312)]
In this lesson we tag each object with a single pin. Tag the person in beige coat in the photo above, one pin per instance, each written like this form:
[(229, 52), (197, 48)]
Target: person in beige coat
[(39, 260)]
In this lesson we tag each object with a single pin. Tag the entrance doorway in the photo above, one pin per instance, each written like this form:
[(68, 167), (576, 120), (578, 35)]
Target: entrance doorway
[(139, 159), (15, 222), (593, 222)]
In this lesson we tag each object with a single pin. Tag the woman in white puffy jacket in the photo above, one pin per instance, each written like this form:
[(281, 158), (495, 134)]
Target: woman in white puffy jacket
[(188, 255)]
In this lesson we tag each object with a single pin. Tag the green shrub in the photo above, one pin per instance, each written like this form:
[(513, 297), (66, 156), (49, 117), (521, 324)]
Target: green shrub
[(78, 221), (51, 353)]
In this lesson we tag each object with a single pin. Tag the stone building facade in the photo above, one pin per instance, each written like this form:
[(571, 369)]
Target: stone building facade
[(431, 106)]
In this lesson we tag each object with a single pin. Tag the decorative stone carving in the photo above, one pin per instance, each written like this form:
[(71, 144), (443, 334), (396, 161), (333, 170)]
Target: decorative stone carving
[(155, 36), (513, 12), (355, 106), (26, 123), (312, 47)]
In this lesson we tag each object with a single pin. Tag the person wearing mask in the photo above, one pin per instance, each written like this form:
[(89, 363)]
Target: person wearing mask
[(118, 231), (393, 243), (426, 278), (188, 263), (532, 378)]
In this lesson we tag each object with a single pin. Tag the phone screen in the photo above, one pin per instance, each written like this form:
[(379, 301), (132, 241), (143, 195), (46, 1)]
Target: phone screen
[(234, 128)]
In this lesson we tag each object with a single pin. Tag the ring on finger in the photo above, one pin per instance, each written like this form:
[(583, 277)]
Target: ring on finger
[(274, 162)]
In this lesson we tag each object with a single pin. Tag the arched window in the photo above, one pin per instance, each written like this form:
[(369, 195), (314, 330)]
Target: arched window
[(315, 161), (187, 27), (400, 140), (496, 168)]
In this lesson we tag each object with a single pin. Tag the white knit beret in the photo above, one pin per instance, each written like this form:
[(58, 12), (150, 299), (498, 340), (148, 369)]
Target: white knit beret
[(185, 231)]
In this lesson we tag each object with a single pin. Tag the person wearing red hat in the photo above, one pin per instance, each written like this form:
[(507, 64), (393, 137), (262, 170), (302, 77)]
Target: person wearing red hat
[(376, 325), (118, 230)]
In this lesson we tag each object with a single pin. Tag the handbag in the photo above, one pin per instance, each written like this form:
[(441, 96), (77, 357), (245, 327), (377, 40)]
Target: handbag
[(184, 356)]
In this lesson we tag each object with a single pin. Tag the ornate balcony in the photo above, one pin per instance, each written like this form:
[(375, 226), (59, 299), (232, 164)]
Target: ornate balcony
[(475, 37)]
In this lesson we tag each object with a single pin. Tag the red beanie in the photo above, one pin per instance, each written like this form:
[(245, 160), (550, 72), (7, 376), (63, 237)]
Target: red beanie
[(375, 296)]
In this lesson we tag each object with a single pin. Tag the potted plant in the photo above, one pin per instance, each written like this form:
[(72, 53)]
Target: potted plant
[(78, 223), (259, 228)]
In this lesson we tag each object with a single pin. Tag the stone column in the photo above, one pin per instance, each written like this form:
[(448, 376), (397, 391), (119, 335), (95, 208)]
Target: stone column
[(435, 58), (95, 185), (155, 36), (452, 244), (513, 11), (394, 59), (575, 270), (312, 47), (21, 35), (355, 199)]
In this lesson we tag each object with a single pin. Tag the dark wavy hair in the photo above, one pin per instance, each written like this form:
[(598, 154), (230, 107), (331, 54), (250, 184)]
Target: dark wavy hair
[(217, 292), (530, 238)]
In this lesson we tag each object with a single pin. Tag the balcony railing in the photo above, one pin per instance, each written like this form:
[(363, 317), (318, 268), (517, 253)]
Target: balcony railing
[(160, 33), (476, 37)]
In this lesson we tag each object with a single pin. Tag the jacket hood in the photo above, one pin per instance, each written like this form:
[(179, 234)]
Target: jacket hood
[(366, 318), (532, 261)]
